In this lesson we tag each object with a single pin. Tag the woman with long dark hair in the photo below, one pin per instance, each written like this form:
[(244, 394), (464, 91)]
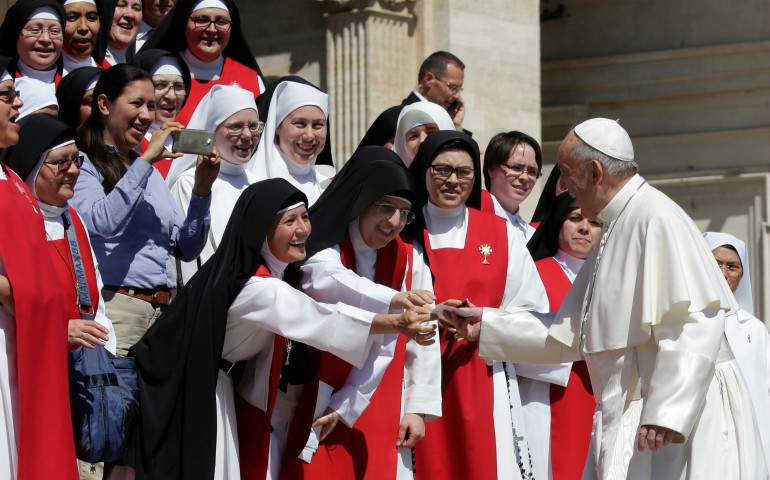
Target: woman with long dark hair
[(131, 216)]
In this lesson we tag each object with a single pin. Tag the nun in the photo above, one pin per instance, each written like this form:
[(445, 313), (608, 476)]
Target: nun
[(482, 434), (231, 113), (171, 80), (359, 259), (74, 95), (295, 137), (81, 32), (120, 20), (416, 122), (32, 34), (48, 161), (208, 34), (746, 334), (237, 308), (382, 132)]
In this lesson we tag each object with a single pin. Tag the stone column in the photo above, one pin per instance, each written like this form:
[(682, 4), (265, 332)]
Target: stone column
[(368, 43)]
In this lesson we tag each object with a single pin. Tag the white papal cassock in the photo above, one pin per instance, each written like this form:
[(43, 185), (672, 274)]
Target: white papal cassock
[(649, 326)]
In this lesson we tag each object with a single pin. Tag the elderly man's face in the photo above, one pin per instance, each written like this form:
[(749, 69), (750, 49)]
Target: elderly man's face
[(576, 179)]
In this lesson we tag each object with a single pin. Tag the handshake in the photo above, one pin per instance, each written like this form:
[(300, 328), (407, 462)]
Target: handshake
[(461, 318)]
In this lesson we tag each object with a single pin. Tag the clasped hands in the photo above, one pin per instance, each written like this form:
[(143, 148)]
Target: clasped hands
[(464, 327)]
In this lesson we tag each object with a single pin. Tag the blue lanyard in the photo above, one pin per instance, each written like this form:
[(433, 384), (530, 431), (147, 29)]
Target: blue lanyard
[(84, 299)]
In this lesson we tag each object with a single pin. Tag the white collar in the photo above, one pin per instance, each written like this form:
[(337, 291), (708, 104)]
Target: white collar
[(573, 264), (46, 76), (366, 257), (614, 208), (275, 266), (438, 212), (301, 171), (51, 211), (201, 70), (116, 56), (231, 169), (71, 63)]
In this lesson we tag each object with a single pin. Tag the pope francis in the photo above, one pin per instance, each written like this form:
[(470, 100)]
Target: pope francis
[(646, 313)]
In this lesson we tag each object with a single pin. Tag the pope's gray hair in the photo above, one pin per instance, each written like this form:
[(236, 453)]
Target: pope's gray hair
[(583, 152)]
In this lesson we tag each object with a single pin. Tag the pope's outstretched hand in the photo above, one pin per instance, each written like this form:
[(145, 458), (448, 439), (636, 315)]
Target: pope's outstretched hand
[(468, 327)]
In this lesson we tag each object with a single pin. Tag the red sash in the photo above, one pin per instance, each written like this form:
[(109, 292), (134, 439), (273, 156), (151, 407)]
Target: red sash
[(45, 442), (344, 454), (62, 262), (572, 407), (232, 73), (460, 445), (253, 423)]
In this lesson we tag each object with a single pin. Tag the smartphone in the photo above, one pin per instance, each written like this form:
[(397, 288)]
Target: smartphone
[(200, 142)]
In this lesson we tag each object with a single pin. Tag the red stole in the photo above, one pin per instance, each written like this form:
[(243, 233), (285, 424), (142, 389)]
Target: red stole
[(572, 407), (461, 444), (345, 453), (253, 423), (62, 262), (232, 73), (44, 430)]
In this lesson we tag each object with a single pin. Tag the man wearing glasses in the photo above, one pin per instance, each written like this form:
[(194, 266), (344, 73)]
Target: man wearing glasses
[(440, 80), (512, 165)]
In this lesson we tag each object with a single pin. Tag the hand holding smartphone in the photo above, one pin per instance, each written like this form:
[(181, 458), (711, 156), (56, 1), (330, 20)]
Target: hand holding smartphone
[(200, 142)]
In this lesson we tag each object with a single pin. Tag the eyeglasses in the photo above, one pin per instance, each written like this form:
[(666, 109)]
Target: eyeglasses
[(388, 210), (453, 87), (446, 171), (35, 31), (162, 87), (518, 169), (731, 267), (64, 165), (202, 23), (8, 96), (237, 128)]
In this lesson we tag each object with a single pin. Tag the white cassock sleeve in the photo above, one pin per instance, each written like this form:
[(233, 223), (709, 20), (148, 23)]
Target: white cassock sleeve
[(687, 346), (422, 366), (326, 279), (525, 290), (271, 304), (521, 337)]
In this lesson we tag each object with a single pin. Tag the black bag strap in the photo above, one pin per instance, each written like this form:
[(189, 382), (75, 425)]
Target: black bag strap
[(84, 299)]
